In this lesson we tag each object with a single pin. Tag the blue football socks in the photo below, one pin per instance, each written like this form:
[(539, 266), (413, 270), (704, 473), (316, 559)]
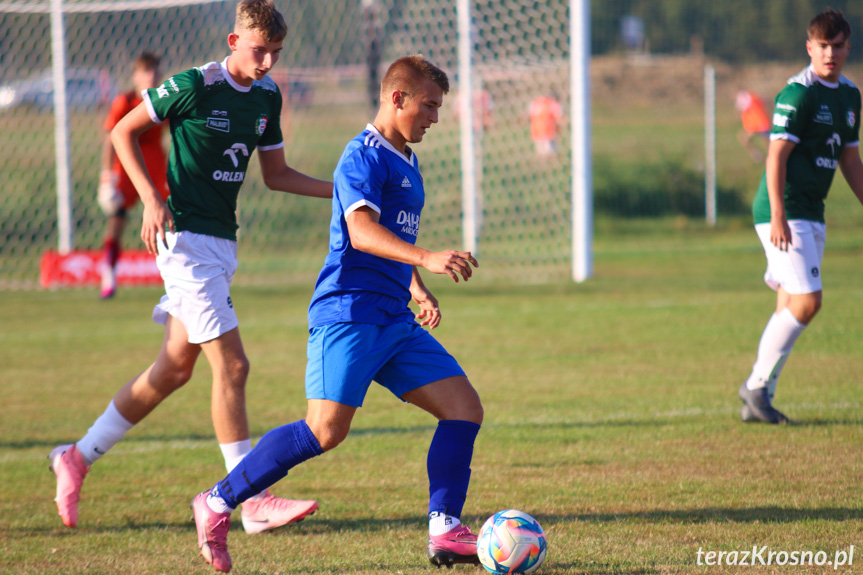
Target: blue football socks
[(271, 459), (449, 465)]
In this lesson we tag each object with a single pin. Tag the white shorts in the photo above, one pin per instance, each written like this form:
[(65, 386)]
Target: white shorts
[(797, 270), (197, 270)]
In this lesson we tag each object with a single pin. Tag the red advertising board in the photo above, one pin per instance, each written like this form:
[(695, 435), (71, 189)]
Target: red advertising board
[(83, 268)]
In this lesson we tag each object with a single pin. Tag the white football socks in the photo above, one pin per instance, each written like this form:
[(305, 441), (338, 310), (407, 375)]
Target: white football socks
[(218, 504), (440, 523), (106, 431), (776, 344), (235, 452)]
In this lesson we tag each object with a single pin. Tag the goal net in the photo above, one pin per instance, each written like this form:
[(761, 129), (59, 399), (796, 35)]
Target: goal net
[(333, 57), (334, 54)]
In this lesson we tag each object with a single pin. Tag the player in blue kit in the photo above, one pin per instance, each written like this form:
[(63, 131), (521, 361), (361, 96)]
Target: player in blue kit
[(361, 328)]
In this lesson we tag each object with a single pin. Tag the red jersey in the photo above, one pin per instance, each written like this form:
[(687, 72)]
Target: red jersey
[(151, 147)]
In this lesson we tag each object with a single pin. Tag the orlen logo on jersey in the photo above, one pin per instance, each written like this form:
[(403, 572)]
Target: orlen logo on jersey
[(833, 141), (409, 222), (229, 176)]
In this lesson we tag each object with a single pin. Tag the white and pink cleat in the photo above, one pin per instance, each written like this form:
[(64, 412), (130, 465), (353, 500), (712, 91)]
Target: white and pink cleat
[(271, 512)]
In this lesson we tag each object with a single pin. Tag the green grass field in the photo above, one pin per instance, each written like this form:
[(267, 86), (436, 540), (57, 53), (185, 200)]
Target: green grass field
[(611, 416)]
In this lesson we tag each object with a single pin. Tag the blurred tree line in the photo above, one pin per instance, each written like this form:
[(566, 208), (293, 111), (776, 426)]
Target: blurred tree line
[(737, 31)]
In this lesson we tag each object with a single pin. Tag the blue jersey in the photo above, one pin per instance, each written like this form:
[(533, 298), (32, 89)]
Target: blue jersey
[(355, 286)]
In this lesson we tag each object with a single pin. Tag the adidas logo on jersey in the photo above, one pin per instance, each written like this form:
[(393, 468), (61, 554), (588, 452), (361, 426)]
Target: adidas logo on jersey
[(406, 183)]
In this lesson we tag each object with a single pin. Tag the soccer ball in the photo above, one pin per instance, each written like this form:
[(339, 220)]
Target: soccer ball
[(511, 541)]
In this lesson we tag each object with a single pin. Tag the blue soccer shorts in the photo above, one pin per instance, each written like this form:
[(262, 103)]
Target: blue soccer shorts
[(344, 358)]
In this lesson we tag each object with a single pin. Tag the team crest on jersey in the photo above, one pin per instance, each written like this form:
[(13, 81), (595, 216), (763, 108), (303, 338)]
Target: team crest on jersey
[(851, 118), (261, 125)]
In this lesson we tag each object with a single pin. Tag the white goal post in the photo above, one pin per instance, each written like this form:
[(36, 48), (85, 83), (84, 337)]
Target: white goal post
[(582, 184), (582, 156)]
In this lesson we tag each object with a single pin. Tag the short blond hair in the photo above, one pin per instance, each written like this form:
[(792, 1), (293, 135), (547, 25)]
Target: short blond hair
[(261, 16)]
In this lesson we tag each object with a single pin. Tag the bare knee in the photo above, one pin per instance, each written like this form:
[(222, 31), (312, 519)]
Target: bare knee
[(479, 415), (329, 436), (238, 370), (815, 307), (330, 423), (467, 408), (811, 312), (231, 376), (169, 377), (182, 376), (805, 307), (473, 412), (453, 398)]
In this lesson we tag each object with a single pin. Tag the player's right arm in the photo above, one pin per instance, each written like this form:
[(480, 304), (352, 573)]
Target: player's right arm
[(777, 167), (157, 217), (369, 236), (279, 176)]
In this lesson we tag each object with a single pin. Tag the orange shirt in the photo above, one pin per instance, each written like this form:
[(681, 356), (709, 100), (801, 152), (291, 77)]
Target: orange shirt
[(545, 113), (151, 147), (752, 112)]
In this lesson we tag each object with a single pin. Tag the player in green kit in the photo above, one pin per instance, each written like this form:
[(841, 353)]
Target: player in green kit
[(219, 113), (816, 129)]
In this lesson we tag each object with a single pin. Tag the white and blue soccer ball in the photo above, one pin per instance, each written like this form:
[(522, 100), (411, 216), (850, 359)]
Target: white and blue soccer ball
[(511, 541)]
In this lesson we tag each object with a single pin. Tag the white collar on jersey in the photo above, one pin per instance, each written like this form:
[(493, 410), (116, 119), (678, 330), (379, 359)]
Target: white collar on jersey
[(230, 80), (390, 147), (821, 80)]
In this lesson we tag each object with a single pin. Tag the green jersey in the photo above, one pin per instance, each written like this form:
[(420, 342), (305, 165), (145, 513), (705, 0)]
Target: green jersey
[(821, 118), (216, 124)]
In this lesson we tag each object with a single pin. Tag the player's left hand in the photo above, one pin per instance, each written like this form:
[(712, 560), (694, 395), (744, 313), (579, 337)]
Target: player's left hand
[(429, 309)]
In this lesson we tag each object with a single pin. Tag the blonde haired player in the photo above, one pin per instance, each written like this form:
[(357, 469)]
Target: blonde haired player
[(362, 330), (816, 129), (219, 113)]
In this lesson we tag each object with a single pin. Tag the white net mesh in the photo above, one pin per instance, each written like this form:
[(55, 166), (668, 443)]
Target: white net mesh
[(647, 106), (333, 51)]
